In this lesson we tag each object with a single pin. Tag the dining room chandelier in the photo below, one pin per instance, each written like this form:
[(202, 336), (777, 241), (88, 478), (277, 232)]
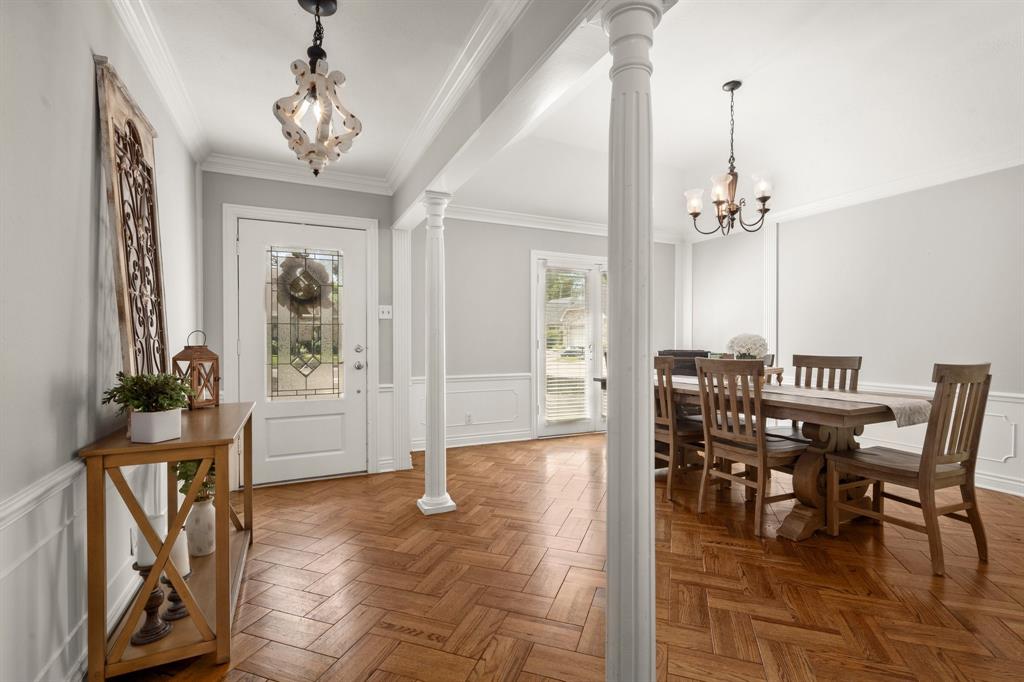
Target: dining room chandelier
[(308, 120), (728, 211)]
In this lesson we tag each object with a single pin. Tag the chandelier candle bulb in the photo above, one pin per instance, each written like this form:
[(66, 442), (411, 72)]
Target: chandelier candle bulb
[(694, 201), (762, 187)]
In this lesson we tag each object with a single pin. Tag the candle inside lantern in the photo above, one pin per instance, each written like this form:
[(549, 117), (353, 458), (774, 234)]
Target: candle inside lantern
[(144, 554)]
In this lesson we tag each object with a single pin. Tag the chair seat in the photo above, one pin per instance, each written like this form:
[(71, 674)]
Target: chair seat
[(787, 432), (778, 451), (890, 464)]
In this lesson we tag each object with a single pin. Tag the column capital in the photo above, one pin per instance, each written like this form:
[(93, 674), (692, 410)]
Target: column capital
[(613, 8), (435, 203)]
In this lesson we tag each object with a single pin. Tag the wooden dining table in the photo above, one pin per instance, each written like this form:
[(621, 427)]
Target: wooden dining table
[(831, 425)]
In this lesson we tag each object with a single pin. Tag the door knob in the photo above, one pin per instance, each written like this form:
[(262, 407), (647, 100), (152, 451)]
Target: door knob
[(359, 365)]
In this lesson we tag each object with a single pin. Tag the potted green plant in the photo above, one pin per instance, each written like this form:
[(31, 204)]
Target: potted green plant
[(153, 403), (199, 527)]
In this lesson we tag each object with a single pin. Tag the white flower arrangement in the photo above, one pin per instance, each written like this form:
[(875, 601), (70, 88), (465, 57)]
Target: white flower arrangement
[(747, 346)]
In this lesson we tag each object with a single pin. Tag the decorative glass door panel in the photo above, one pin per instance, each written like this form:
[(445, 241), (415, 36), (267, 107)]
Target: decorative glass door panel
[(302, 320), (304, 350)]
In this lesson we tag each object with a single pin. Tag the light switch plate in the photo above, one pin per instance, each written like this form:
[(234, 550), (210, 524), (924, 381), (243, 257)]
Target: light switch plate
[(384, 312)]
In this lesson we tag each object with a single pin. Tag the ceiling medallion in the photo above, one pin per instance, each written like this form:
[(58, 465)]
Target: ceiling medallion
[(307, 117), (728, 211)]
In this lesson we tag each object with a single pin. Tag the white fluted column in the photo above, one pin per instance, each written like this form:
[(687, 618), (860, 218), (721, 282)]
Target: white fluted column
[(435, 497), (629, 647), (401, 330)]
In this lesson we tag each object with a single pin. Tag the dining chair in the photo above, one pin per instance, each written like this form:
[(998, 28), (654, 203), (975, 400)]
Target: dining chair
[(730, 397), (947, 459), (679, 434), (836, 372)]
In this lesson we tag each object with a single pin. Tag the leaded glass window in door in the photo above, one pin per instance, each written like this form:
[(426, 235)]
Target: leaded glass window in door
[(303, 300)]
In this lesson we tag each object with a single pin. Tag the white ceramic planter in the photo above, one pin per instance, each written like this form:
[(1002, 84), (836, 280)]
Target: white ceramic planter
[(154, 427), (202, 539)]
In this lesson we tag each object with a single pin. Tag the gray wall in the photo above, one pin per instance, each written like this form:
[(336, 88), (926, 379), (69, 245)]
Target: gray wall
[(59, 321), (728, 286), (59, 338), (220, 189), (487, 301), (935, 275)]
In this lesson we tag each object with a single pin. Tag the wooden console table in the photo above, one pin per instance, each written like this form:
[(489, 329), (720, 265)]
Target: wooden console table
[(213, 437)]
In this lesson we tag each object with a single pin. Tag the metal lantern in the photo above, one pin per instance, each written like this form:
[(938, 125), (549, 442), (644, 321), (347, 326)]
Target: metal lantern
[(200, 366)]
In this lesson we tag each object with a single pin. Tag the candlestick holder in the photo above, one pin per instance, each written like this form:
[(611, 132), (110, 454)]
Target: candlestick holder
[(154, 627), (176, 609)]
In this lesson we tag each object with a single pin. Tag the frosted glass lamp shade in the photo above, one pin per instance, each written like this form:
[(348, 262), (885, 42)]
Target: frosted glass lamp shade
[(762, 186), (694, 201), (720, 187)]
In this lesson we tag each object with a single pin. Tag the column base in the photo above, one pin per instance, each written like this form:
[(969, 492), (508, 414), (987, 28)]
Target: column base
[(436, 505)]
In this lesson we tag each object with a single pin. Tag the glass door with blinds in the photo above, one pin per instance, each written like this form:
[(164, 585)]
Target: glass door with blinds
[(571, 340)]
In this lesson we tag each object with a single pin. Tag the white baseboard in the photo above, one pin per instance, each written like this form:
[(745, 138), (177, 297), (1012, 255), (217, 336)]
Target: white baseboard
[(43, 570)]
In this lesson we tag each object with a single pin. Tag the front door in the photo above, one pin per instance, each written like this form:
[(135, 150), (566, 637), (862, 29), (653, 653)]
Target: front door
[(302, 336)]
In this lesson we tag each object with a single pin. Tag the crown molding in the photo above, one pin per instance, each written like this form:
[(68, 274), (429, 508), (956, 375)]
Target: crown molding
[(148, 42), (539, 222), (294, 172), (980, 165), (497, 18)]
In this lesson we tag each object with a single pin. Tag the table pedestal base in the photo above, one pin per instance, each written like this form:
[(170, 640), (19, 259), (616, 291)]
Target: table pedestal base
[(808, 515)]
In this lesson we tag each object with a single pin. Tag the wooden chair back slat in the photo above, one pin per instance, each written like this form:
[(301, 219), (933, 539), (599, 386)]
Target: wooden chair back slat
[(663, 412), (827, 371), (958, 410), (730, 393)]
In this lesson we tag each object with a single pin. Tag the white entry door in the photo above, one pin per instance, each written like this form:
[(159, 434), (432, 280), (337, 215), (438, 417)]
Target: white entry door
[(571, 326), (302, 358)]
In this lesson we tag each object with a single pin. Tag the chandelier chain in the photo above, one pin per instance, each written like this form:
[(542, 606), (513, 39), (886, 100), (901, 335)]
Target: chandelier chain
[(732, 129), (318, 32)]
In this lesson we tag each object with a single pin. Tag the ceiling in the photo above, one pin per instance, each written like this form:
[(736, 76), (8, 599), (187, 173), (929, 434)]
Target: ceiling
[(234, 57), (840, 99)]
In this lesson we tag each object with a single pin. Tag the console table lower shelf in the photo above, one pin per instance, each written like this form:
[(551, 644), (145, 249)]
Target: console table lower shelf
[(185, 640)]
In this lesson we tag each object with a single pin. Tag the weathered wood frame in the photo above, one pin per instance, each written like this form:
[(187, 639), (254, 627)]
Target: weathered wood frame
[(117, 108)]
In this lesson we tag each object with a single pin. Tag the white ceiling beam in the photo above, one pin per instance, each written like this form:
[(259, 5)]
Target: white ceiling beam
[(495, 21), (549, 47)]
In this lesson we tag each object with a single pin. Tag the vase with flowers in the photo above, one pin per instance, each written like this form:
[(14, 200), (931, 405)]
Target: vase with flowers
[(748, 346)]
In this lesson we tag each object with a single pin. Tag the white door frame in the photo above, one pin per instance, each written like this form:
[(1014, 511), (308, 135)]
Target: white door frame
[(229, 360), (582, 260)]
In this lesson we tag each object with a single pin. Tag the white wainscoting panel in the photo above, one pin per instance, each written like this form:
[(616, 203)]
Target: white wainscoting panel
[(43, 570), (1000, 458), (386, 460), (482, 408)]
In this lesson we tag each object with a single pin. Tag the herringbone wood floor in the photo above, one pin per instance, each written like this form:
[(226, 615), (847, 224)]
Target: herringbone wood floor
[(348, 581)]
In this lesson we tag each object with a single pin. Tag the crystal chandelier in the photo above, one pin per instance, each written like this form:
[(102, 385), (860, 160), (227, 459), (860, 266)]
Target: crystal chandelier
[(723, 187), (308, 118)]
